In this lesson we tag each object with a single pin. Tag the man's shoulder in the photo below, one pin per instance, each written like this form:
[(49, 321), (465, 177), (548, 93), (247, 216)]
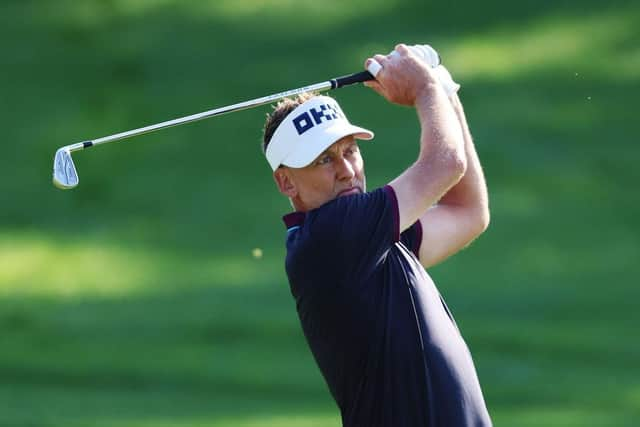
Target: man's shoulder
[(349, 209), (344, 230)]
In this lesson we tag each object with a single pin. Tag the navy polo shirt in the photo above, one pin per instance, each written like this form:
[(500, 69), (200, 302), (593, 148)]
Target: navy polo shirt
[(383, 337)]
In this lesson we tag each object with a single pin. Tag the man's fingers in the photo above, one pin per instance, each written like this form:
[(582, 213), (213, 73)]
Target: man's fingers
[(380, 58), (376, 64), (402, 48), (373, 67), (375, 86)]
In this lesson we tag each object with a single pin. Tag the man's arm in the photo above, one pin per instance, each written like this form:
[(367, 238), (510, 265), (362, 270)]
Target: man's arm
[(462, 214), (404, 79), (447, 171)]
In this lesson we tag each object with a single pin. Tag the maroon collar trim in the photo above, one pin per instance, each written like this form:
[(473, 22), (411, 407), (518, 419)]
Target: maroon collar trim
[(293, 219)]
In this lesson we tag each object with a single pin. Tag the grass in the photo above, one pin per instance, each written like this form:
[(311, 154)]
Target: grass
[(134, 300)]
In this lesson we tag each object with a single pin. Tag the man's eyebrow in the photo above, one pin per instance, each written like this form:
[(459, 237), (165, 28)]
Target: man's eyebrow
[(339, 147), (350, 144)]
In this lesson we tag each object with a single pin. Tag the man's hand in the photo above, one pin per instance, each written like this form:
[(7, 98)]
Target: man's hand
[(404, 77)]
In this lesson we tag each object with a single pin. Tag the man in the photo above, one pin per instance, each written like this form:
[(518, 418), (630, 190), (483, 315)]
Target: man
[(379, 330)]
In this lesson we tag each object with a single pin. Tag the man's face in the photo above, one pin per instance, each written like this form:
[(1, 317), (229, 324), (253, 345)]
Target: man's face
[(337, 172)]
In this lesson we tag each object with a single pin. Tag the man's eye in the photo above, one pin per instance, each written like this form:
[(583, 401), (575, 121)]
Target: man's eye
[(350, 151), (323, 160)]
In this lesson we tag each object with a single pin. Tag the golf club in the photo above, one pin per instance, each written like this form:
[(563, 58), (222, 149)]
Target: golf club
[(64, 171)]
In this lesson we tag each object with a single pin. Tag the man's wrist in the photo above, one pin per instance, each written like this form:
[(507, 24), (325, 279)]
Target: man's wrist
[(428, 96)]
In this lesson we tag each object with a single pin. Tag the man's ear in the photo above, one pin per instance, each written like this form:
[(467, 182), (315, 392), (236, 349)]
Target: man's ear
[(282, 177)]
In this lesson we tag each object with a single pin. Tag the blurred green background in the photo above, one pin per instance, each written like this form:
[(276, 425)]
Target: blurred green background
[(134, 300)]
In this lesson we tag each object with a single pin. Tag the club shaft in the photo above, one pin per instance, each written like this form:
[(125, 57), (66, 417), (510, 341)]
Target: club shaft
[(329, 84), (64, 171), (206, 114)]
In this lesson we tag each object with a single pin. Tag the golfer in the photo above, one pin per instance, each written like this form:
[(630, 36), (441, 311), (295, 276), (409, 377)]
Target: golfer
[(383, 337)]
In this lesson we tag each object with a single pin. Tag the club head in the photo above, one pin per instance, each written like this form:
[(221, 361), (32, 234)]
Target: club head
[(64, 171)]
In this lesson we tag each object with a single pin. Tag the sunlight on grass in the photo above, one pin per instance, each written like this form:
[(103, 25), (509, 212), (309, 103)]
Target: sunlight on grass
[(307, 420), (558, 416), (633, 397), (578, 42), (43, 265), (260, 421), (327, 11), (301, 421), (318, 13)]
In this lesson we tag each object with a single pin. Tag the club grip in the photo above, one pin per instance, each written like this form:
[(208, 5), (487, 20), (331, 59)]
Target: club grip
[(362, 76)]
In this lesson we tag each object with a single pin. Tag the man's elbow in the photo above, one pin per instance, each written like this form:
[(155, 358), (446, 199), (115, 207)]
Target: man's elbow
[(459, 165), (477, 223), (456, 165), (483, 218)]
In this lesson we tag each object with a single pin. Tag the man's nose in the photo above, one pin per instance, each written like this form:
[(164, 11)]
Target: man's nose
[(345, 169)]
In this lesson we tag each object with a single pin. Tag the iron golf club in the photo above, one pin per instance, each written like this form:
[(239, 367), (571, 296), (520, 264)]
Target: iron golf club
[(64, 171)]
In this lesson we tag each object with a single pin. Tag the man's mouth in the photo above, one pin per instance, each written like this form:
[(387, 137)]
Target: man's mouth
[(349, 191)]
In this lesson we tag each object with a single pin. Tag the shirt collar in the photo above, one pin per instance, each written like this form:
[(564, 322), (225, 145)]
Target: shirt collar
[(293, 219)]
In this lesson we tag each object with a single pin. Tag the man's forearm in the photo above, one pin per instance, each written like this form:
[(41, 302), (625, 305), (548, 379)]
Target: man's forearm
[(471, 191), (441, 161)]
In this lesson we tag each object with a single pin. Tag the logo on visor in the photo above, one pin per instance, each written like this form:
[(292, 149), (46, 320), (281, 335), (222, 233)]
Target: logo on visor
[(307, 120)]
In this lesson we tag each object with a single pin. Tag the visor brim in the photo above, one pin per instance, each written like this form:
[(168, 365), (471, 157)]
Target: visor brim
[(307, 153)]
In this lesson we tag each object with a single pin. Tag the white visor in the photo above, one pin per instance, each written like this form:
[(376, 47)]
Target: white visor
[(308, 130)]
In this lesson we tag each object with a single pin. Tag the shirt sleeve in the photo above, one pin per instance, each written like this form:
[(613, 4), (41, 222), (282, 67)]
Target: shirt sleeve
[(358, 229), (412, 238)]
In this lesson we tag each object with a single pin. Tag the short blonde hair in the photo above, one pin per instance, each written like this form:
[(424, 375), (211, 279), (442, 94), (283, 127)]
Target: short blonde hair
[(279, 113)]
